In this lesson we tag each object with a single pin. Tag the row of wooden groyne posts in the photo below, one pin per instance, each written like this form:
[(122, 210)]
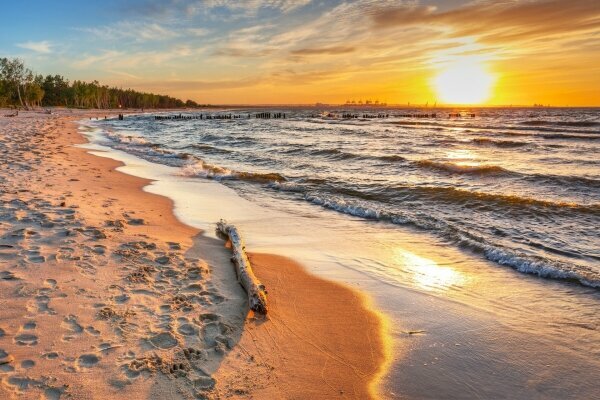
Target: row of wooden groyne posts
[(366, 116), (220, 116), (267, 115)]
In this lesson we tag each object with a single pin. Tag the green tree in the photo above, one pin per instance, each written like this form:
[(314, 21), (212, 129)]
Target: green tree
[(19, 85), (13, 72)]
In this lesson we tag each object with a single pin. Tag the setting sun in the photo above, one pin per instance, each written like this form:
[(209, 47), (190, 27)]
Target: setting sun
[(464, 82)]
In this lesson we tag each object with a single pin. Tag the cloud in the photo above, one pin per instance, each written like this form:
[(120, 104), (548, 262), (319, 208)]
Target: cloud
[(201, 84), (242, 53), (252, 7), (323, 50), (138, 31), (90, 60), (499, 21), (188, 8), (198, 32), (108, 59), (43, 47)]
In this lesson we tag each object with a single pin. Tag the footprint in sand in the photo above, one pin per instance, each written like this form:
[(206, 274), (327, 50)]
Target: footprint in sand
[(23, 382), (187, 329), (33, 255), (208, 298), (52, 393), (8, 276), (53, 355), (29, 325), (51, 283), (121, 298), (209, 317), (70, 323), (41, 305), (164, 340), (99, 249), (193, 354), (5, 358), (92, 331), (7, 252), (216, 334), (204, 383), (26, 339), (87, 360)]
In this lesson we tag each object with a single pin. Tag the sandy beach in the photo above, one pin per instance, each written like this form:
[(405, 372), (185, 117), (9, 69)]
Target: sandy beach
[(105, 294)]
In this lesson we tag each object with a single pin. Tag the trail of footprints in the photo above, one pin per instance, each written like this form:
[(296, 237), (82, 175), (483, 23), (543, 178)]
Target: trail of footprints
[(154, 319)]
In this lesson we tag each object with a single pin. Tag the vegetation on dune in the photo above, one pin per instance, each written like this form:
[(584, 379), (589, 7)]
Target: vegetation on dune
[(20, 87)]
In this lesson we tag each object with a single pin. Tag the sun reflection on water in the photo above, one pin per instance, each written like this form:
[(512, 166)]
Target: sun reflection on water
[(462, 154), (426, 273)]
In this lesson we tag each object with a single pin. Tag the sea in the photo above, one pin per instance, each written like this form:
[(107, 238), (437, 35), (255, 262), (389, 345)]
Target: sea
[(475, 231)]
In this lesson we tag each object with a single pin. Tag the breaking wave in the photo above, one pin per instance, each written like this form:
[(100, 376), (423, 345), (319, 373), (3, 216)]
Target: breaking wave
[(202, 169)]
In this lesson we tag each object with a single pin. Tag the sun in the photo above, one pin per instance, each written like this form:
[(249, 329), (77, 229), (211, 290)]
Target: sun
[(464, 82)]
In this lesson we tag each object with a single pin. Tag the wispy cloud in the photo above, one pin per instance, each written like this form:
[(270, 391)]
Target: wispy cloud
[(500, 21), (138, 31), (197, 32), (324, 50), (43, 47), (108, 59)]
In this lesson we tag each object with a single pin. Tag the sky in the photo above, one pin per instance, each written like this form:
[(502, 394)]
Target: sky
[(329, 51)]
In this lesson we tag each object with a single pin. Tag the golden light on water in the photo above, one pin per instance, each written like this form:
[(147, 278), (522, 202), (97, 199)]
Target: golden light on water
[(464, 82), (426, 273), (461, 154)]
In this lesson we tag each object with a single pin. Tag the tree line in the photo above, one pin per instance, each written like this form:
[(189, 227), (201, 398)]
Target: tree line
[(21, 87)]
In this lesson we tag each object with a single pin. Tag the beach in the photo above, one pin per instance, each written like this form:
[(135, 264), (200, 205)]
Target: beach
[(106, 293)]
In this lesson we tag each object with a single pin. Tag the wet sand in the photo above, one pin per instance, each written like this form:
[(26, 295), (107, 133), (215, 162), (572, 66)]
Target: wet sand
[(105, 294), (311, 326)]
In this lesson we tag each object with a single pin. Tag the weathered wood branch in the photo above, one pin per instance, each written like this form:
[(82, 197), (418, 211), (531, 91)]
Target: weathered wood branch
[(257, 295)]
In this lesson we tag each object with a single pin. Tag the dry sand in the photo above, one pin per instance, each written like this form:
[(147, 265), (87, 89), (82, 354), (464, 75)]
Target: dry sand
[(105, 294)]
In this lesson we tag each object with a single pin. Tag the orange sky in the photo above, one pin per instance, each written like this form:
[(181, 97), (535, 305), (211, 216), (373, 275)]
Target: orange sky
[(303, 51)]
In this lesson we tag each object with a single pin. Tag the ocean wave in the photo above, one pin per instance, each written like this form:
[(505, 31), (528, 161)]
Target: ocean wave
[(529, 264), (498, 143), (199, 168), (338, 154), (347, 207), (534, 265), (286, 186), (391, 158), (469, 197), (580, 182), (582, 124), (536, 126), (210, 149), (577, 182), (128, 139), (527, 130), (463, 168), (335, 153), (570, 136)]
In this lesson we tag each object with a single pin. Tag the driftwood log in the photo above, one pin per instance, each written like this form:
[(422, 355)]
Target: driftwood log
[(257, 295)]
